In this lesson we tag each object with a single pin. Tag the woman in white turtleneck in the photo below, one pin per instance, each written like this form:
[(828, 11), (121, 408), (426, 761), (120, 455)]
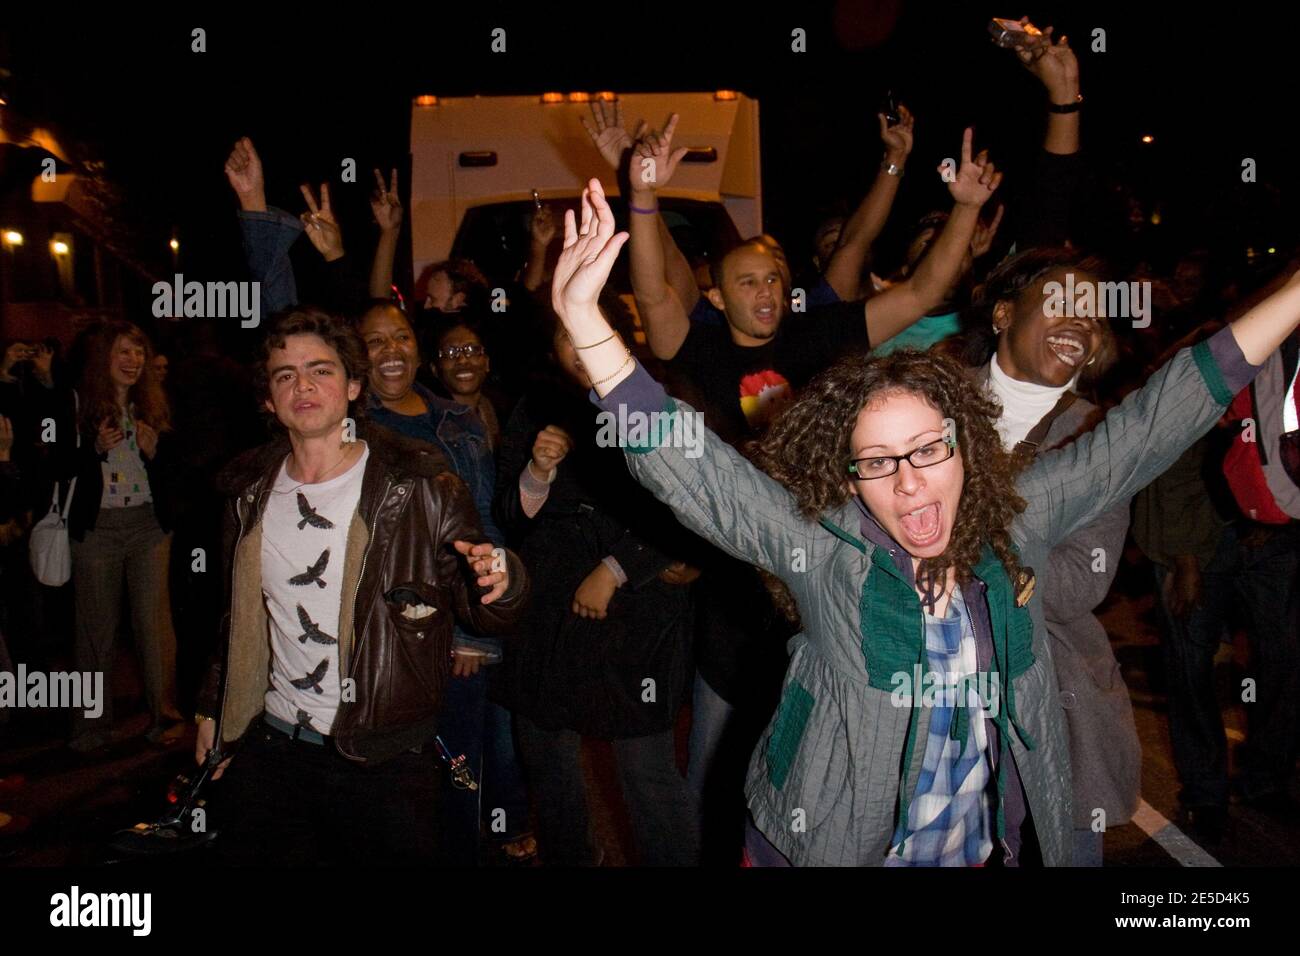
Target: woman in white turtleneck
[(1039, 356), (1040, 350)]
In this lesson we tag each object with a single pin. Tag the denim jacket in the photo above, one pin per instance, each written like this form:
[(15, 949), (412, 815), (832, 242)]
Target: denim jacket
[(457, 432), (267, 238)]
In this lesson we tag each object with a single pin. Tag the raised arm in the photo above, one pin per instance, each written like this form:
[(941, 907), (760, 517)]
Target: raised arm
[(844, 271), (1057, 68), (662, 310), (713, 490), (268, 233), (612, 140), (387, 210), (929, 284), (1144, 435)]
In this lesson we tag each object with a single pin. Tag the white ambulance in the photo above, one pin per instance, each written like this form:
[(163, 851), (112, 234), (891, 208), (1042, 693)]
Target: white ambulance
[(476, 162)]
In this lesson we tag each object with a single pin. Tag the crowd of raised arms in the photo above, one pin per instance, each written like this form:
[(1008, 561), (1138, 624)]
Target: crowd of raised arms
[(815, 547)]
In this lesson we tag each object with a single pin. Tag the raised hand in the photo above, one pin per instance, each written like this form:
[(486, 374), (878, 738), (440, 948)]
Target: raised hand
[(590, 249), (897, 138), (982, 241), (977, 179), (244, 173), (322, 228), (385, 205), (658, 149), (541, 228), (1055, 65), (550, 448), (607, 133), (480, 559)]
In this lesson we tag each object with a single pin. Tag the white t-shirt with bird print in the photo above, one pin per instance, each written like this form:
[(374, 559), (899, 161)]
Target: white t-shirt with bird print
[(304, 540)]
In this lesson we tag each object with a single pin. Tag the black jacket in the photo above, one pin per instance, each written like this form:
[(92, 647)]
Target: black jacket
[(576, 673)]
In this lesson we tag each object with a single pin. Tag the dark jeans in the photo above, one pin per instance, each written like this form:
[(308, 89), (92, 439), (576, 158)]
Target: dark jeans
[(659, 802), (1261, 580), (286, 802), (472, 725)]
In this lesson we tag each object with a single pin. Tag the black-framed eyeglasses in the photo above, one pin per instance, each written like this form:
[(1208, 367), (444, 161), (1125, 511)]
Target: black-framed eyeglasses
[(882, 466), (453, 352)]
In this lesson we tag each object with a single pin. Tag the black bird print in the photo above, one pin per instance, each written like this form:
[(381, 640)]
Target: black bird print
[(314, 572), (312, 630), (313, 679), (309, 515), (304, 719)]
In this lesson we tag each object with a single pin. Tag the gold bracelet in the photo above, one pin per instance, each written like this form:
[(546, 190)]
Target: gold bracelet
[(626, 363), (612, 335), (200, 718)]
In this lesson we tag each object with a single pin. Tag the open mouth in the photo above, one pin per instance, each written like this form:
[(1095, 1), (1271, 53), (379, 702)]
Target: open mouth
[(465, 376), (393, 369), (1067, 347), (922, 526), (304, 406), (765, 313)]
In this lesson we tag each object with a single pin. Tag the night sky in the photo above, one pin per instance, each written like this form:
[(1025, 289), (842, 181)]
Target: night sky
[(315, 88)]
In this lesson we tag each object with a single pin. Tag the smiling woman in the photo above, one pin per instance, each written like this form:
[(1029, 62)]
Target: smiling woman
[(120, 520)]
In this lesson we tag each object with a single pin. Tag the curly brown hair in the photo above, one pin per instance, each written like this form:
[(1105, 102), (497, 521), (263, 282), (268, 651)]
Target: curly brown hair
[(808, 449), (337, 333)]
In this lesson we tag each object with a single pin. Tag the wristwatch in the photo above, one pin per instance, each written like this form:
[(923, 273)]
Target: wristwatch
[(891, 169)]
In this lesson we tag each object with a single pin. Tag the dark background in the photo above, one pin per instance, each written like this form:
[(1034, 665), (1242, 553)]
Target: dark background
[(314, 87)]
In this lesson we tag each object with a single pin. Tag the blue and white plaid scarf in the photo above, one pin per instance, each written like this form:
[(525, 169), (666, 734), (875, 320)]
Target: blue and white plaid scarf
[(948, 819)]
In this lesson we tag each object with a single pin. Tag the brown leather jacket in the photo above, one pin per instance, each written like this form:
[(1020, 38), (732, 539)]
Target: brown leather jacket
[(412, 508)]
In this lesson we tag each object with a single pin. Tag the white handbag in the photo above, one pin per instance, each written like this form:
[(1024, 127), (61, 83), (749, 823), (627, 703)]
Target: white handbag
[(49, 550)]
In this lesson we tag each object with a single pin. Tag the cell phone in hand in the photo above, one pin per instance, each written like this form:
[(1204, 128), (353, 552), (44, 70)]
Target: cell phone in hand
[(889, 106), (1014, 35)]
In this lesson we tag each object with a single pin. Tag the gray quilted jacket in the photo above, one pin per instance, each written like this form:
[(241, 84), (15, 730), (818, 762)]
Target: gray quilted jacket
[(823, 784)]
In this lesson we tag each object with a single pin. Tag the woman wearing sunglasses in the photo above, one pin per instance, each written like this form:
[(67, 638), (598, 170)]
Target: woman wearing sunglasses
[(913, 545)]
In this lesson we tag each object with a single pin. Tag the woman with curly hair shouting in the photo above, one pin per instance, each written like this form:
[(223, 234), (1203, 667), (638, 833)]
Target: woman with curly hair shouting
[(920, 722)]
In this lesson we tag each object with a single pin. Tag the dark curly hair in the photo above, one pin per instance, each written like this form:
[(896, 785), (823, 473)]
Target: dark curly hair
[(808, 449), (337, 333)]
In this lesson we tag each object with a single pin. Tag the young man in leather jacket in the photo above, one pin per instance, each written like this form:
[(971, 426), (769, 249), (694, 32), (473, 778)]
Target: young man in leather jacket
[(350, 552)]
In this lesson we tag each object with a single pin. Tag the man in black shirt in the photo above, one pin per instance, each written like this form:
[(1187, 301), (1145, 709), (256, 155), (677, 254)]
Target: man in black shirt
[(742, 373)]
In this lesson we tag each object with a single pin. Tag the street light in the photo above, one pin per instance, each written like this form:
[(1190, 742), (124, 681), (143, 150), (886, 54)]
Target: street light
[(59, 247), (13, 237), (175, 246)]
